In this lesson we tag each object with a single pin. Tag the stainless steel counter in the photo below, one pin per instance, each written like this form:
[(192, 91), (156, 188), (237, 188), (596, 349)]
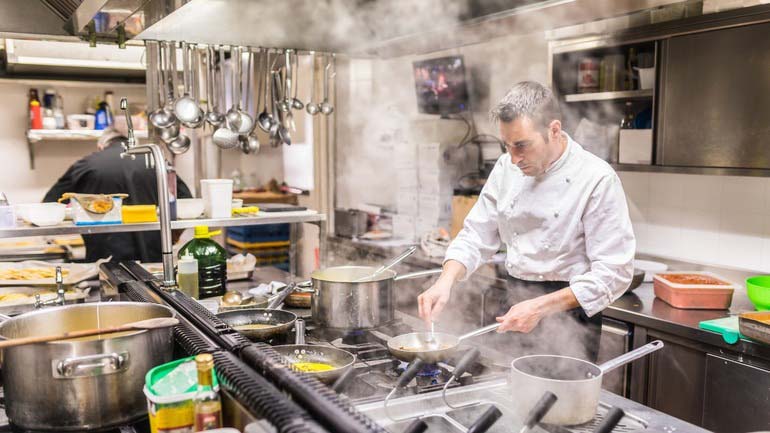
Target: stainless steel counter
[(639, 307)]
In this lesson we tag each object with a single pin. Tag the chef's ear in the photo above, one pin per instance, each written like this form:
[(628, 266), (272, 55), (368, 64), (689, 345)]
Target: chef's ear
[(554, 129)]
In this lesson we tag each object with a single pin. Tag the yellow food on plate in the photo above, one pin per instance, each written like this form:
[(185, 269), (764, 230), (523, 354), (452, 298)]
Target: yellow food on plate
[(312, 367), (13, 297), (30, 273)]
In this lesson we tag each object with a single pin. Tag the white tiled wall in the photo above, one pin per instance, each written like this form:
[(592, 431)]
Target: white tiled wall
[(719, 220)]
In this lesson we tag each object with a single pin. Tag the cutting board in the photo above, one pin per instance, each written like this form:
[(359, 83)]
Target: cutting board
[(727, 326)]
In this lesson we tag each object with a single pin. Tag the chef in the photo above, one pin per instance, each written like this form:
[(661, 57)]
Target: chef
[(105, 172), (562, 216)]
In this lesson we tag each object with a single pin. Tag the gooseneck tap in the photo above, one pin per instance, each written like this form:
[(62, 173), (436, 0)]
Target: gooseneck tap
[(161, 175)]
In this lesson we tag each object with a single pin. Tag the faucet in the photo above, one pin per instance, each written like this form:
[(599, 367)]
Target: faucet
[(59, 300), (159, 162)]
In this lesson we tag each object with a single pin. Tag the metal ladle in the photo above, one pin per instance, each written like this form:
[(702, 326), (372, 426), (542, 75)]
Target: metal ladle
[(170, 133), (295, 102), (264, 118), (213, 116), (185, 108), (250, 142), (233, 115), (311, 107), (223, 137), (161, 117), (246, 122), (325, 107), (281, 133)]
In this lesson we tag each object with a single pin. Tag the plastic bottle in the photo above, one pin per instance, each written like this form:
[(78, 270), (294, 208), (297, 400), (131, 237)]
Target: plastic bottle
[(627, 122), (187, 276), (103, 118), (58, 112), (212, 262), (35, 111)]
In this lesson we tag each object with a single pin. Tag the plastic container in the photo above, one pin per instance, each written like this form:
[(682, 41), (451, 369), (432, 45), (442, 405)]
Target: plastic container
[(170, 389), (187, 276), (217, 197), (646, 78), (82, 217), (212, 262), (189, 208), (45, 214), (80, 121), (694, 290), (758, 290), (140, 213)]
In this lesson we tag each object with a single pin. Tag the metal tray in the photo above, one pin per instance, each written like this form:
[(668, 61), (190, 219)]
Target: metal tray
[(755, 325)]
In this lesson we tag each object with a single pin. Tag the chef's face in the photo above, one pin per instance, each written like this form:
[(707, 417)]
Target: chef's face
[(531, 148)]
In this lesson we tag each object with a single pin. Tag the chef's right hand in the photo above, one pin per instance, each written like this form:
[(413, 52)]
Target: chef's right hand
[(432, 301)]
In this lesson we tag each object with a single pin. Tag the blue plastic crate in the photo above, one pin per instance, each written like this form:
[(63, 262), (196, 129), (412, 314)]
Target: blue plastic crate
[(261, 233)]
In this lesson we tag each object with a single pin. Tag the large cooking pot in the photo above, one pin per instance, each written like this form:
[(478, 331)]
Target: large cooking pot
[(342, 303), (575, 382), (86, 383)]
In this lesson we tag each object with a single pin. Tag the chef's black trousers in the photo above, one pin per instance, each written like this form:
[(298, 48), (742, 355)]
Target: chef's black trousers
[(571, 333)]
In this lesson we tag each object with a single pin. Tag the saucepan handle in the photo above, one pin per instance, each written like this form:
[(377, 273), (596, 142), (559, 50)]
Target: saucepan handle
[(631, 356), (419, 274)]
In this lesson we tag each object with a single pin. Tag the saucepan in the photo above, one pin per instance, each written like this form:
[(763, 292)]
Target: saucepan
[(357, 297), (431, 347), (325, 363), (575, 382)]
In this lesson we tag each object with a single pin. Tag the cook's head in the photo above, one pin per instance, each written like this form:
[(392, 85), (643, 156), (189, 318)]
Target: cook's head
[(529, 120)]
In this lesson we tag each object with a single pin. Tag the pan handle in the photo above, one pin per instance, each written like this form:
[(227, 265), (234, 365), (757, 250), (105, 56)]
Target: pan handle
[(480, 331), (278, 300), (631, 356), (299, 331), (419, 274)]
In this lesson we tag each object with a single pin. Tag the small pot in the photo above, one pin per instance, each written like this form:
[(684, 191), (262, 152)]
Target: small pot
[(84, 384), (575, 382)]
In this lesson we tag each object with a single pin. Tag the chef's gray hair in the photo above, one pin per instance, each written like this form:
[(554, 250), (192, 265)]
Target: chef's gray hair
[(527, 99)]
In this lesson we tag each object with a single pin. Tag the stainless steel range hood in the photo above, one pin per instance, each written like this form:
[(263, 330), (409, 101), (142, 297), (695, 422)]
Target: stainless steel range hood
[(358, 27)]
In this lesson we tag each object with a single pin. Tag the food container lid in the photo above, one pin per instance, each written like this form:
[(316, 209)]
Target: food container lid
[(173, 380), (667, 278), (187, 264)]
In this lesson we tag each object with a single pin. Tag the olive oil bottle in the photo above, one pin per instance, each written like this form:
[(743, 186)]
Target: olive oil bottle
[(207, 405), (212, 262)]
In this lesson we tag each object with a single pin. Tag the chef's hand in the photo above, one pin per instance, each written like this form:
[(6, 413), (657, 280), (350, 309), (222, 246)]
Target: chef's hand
[(522, 317), (432, 301), (525, 316)]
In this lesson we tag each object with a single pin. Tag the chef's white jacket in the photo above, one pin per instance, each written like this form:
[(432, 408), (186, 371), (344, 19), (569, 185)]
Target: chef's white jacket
[(569, 224)]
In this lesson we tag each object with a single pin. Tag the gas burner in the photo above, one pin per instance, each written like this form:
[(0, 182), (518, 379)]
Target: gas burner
[(429, 370)]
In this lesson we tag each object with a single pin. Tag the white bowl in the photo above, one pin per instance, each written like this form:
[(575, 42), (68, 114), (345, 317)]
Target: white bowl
[(45, 214), (189, 208), (237, 203)]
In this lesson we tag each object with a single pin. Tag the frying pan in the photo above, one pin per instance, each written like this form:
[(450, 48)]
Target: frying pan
[(575, 382), (281, 321), (637, 280), (340, 360), (407, 347)]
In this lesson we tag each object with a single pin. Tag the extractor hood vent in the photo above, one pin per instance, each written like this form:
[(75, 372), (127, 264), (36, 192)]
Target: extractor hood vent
[(64, 9)]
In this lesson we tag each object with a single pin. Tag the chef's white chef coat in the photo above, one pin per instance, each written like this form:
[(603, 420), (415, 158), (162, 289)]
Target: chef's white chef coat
[(569, 224)]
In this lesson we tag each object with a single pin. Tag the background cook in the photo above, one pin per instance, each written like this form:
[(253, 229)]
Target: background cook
[(561, 213)]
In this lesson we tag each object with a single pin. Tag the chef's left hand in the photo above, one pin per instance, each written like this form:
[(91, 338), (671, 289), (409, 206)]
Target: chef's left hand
[(522, 317)]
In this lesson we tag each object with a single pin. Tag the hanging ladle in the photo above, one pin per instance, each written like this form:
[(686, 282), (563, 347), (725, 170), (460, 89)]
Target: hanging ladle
[(161, 117), (223, 137), (325, 107), (213, 116), (311, 107)]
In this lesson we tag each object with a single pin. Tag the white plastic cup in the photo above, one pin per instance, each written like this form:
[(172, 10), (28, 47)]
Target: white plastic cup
[(217, 197)]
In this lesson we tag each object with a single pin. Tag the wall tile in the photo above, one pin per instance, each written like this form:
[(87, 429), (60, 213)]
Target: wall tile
[(666, 189), (744, 194), (702, 192), (637, 187), (665, 231), (741, 239)]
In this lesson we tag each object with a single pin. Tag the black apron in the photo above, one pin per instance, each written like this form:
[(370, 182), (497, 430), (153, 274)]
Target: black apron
[(571, 333)]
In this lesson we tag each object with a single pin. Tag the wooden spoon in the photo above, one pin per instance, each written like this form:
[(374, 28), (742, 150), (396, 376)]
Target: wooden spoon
[(160, 322)]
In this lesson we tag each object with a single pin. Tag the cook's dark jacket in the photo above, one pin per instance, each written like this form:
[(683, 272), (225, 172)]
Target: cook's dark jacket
[(104, 172)]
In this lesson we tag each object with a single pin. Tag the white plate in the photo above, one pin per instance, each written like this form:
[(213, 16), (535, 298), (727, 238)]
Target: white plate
[(650, 268)]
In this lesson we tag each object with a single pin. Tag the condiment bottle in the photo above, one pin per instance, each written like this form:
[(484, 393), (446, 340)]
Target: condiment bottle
[(206, 403), (7, 218), (187, 275), (35, 111), (212, 262)]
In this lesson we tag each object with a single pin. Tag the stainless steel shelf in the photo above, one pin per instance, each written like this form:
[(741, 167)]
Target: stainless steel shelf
[(70, 228), (752, 172), (35, 135), (609, 96)]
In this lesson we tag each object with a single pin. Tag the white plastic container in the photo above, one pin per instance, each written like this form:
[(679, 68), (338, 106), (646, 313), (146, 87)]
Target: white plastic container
[(646, 78), (189, 208), (217, 197), (187, 275), (45, 214), (635, 146)]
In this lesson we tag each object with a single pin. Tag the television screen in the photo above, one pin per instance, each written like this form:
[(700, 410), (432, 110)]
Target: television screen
[(440, 85)]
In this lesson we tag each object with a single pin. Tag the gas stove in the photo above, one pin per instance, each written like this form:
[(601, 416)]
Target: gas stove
[(377, 371)]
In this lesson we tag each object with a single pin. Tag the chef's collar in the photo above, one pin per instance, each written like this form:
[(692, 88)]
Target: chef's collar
[(564, 156)]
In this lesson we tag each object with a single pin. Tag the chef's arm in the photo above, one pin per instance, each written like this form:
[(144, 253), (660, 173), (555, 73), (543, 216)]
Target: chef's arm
[(610, 248), (524, 316)]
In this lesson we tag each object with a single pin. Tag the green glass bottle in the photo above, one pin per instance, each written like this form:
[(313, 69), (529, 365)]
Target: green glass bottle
[(212, 262)]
